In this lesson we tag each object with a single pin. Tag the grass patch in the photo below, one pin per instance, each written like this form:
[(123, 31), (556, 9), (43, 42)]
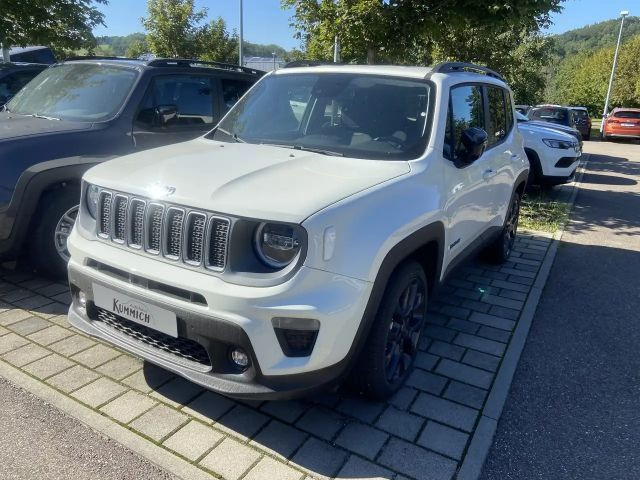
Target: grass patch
[(539, 211)]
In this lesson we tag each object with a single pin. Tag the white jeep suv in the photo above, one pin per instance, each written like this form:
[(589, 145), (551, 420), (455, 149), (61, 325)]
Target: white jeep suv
[(554, 156), (299, 240)]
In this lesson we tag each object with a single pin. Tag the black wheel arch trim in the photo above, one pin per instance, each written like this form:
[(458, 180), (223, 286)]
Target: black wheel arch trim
[(32, 183)]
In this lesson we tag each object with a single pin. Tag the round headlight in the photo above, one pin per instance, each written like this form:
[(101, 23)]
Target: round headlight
[(93, 193), (277, 245)]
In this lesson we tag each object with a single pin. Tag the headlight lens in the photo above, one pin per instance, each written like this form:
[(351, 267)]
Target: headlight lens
[(557, 143), (91, 199), (276, 244)]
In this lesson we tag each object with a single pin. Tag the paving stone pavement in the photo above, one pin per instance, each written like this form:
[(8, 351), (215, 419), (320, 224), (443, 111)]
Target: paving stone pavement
[(422, 433)]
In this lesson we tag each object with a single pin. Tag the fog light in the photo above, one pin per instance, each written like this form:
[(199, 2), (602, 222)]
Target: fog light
[(82, 299), (240, 358)]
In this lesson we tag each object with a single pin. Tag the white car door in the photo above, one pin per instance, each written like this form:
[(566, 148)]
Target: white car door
[(469, 207)]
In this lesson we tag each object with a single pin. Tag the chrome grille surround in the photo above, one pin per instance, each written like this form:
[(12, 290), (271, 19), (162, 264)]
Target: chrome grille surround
[(194, 238)]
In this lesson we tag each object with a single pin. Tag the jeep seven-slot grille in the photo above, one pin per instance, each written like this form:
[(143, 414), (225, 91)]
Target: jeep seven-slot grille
[(196, 238)]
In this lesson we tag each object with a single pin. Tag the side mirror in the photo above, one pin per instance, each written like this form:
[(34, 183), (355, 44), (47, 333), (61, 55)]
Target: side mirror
[(166, 113), (474, 142)]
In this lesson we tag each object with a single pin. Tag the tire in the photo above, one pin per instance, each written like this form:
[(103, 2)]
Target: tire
[(500, 249), (388, 356), (56, 214)]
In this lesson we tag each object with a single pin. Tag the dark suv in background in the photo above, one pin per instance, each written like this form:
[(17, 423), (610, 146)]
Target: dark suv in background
[(14, 76), (583, 121), (83, 111), (556, 117)]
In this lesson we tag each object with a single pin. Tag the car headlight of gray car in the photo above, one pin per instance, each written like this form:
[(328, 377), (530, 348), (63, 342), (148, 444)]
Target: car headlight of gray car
[(277, 244)]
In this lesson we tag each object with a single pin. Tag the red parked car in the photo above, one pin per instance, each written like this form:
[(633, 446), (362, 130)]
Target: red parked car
[(622, 123)]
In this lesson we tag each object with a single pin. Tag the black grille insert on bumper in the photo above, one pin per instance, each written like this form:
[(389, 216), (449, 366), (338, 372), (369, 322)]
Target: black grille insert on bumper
[(182, 348)]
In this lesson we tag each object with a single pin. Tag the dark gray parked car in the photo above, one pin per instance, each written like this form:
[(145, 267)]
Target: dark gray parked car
[(14, 76), (88, 110)]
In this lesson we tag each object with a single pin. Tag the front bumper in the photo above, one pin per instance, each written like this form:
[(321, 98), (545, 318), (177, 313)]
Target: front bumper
[(234, 316)]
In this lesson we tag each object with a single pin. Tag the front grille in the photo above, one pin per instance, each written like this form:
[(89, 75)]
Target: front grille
[(183, 348), (120, 218), (173, 236), (196, 238), (218, 237)]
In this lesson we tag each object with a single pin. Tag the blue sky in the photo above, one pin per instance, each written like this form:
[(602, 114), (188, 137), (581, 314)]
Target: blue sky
[(266, 22)]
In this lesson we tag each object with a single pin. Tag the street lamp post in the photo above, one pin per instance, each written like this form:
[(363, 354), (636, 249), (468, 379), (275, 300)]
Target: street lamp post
[(240, 40), (623, 14)]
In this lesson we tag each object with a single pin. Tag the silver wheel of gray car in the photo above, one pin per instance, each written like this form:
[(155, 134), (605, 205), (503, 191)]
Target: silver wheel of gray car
[(63, 230)]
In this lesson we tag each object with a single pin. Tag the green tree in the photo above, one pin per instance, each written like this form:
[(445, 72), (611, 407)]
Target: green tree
[(61, 24), (583, 79), (401, 30), (173, 27), (216, 43)]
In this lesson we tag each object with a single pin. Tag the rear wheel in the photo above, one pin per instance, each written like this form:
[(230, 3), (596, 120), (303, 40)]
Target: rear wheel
[(392, 346), (502, 246), (48, 247)]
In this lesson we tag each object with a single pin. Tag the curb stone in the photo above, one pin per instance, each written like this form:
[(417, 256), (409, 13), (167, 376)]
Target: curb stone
[(482, 438)]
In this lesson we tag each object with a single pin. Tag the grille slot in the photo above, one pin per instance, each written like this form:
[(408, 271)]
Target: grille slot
[(119, 218), (218, 239), (104, 224), (195, 233), (173, 234), (136, 227), (155, 212), (182, 348), (196, 238)]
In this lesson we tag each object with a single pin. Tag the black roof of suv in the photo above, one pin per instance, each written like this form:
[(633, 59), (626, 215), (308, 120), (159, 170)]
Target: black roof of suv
[(86, 110)]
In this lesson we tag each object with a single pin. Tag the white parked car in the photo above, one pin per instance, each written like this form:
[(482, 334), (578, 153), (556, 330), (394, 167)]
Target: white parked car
[(554, 156), (299, 240)]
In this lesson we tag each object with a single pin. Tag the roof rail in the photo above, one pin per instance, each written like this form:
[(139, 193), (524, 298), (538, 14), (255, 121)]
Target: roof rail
[(308, 63), (450, 67), (185, 62), (98, 57)]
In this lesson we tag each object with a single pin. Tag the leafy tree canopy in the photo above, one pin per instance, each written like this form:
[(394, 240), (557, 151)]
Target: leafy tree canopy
[(60, 24)]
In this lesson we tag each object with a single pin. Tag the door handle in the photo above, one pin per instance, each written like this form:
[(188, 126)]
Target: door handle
[(489, 174), (515, 157)]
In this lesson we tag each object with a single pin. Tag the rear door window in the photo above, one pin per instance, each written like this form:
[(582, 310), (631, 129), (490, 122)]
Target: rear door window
[(233, 90), (192, 96), (497, 128)]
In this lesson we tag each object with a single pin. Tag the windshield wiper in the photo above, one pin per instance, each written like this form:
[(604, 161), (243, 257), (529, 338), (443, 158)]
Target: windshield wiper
[(305, 149), (46, 117), (232, 135)]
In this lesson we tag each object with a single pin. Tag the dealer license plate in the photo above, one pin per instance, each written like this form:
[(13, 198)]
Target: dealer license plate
[(133, 309)]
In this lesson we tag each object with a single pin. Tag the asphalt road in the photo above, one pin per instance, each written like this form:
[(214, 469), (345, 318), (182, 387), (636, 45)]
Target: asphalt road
[(573, 411), (37, 441)]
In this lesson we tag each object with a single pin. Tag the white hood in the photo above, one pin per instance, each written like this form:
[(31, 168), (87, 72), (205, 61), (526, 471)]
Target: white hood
[(254, 181), (538, 131)]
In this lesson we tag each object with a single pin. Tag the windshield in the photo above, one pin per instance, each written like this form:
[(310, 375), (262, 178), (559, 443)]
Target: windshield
[(362, 116), (83, 92), (627, 114)]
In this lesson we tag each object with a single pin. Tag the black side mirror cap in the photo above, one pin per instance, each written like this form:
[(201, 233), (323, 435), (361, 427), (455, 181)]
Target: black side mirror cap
[(474, 142)]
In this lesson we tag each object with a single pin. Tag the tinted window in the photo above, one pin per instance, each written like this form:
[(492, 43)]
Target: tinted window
[(554, 115), (497, 128), (232, 91), (627, 114), (465, 111), (361, 116), (191, 95), (76, 91), (12, 83), (580, 114), (508, 109)]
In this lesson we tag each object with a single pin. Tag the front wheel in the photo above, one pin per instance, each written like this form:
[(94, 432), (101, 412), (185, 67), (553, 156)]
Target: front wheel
[(502, 246), (58, 211), (387, 357)]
